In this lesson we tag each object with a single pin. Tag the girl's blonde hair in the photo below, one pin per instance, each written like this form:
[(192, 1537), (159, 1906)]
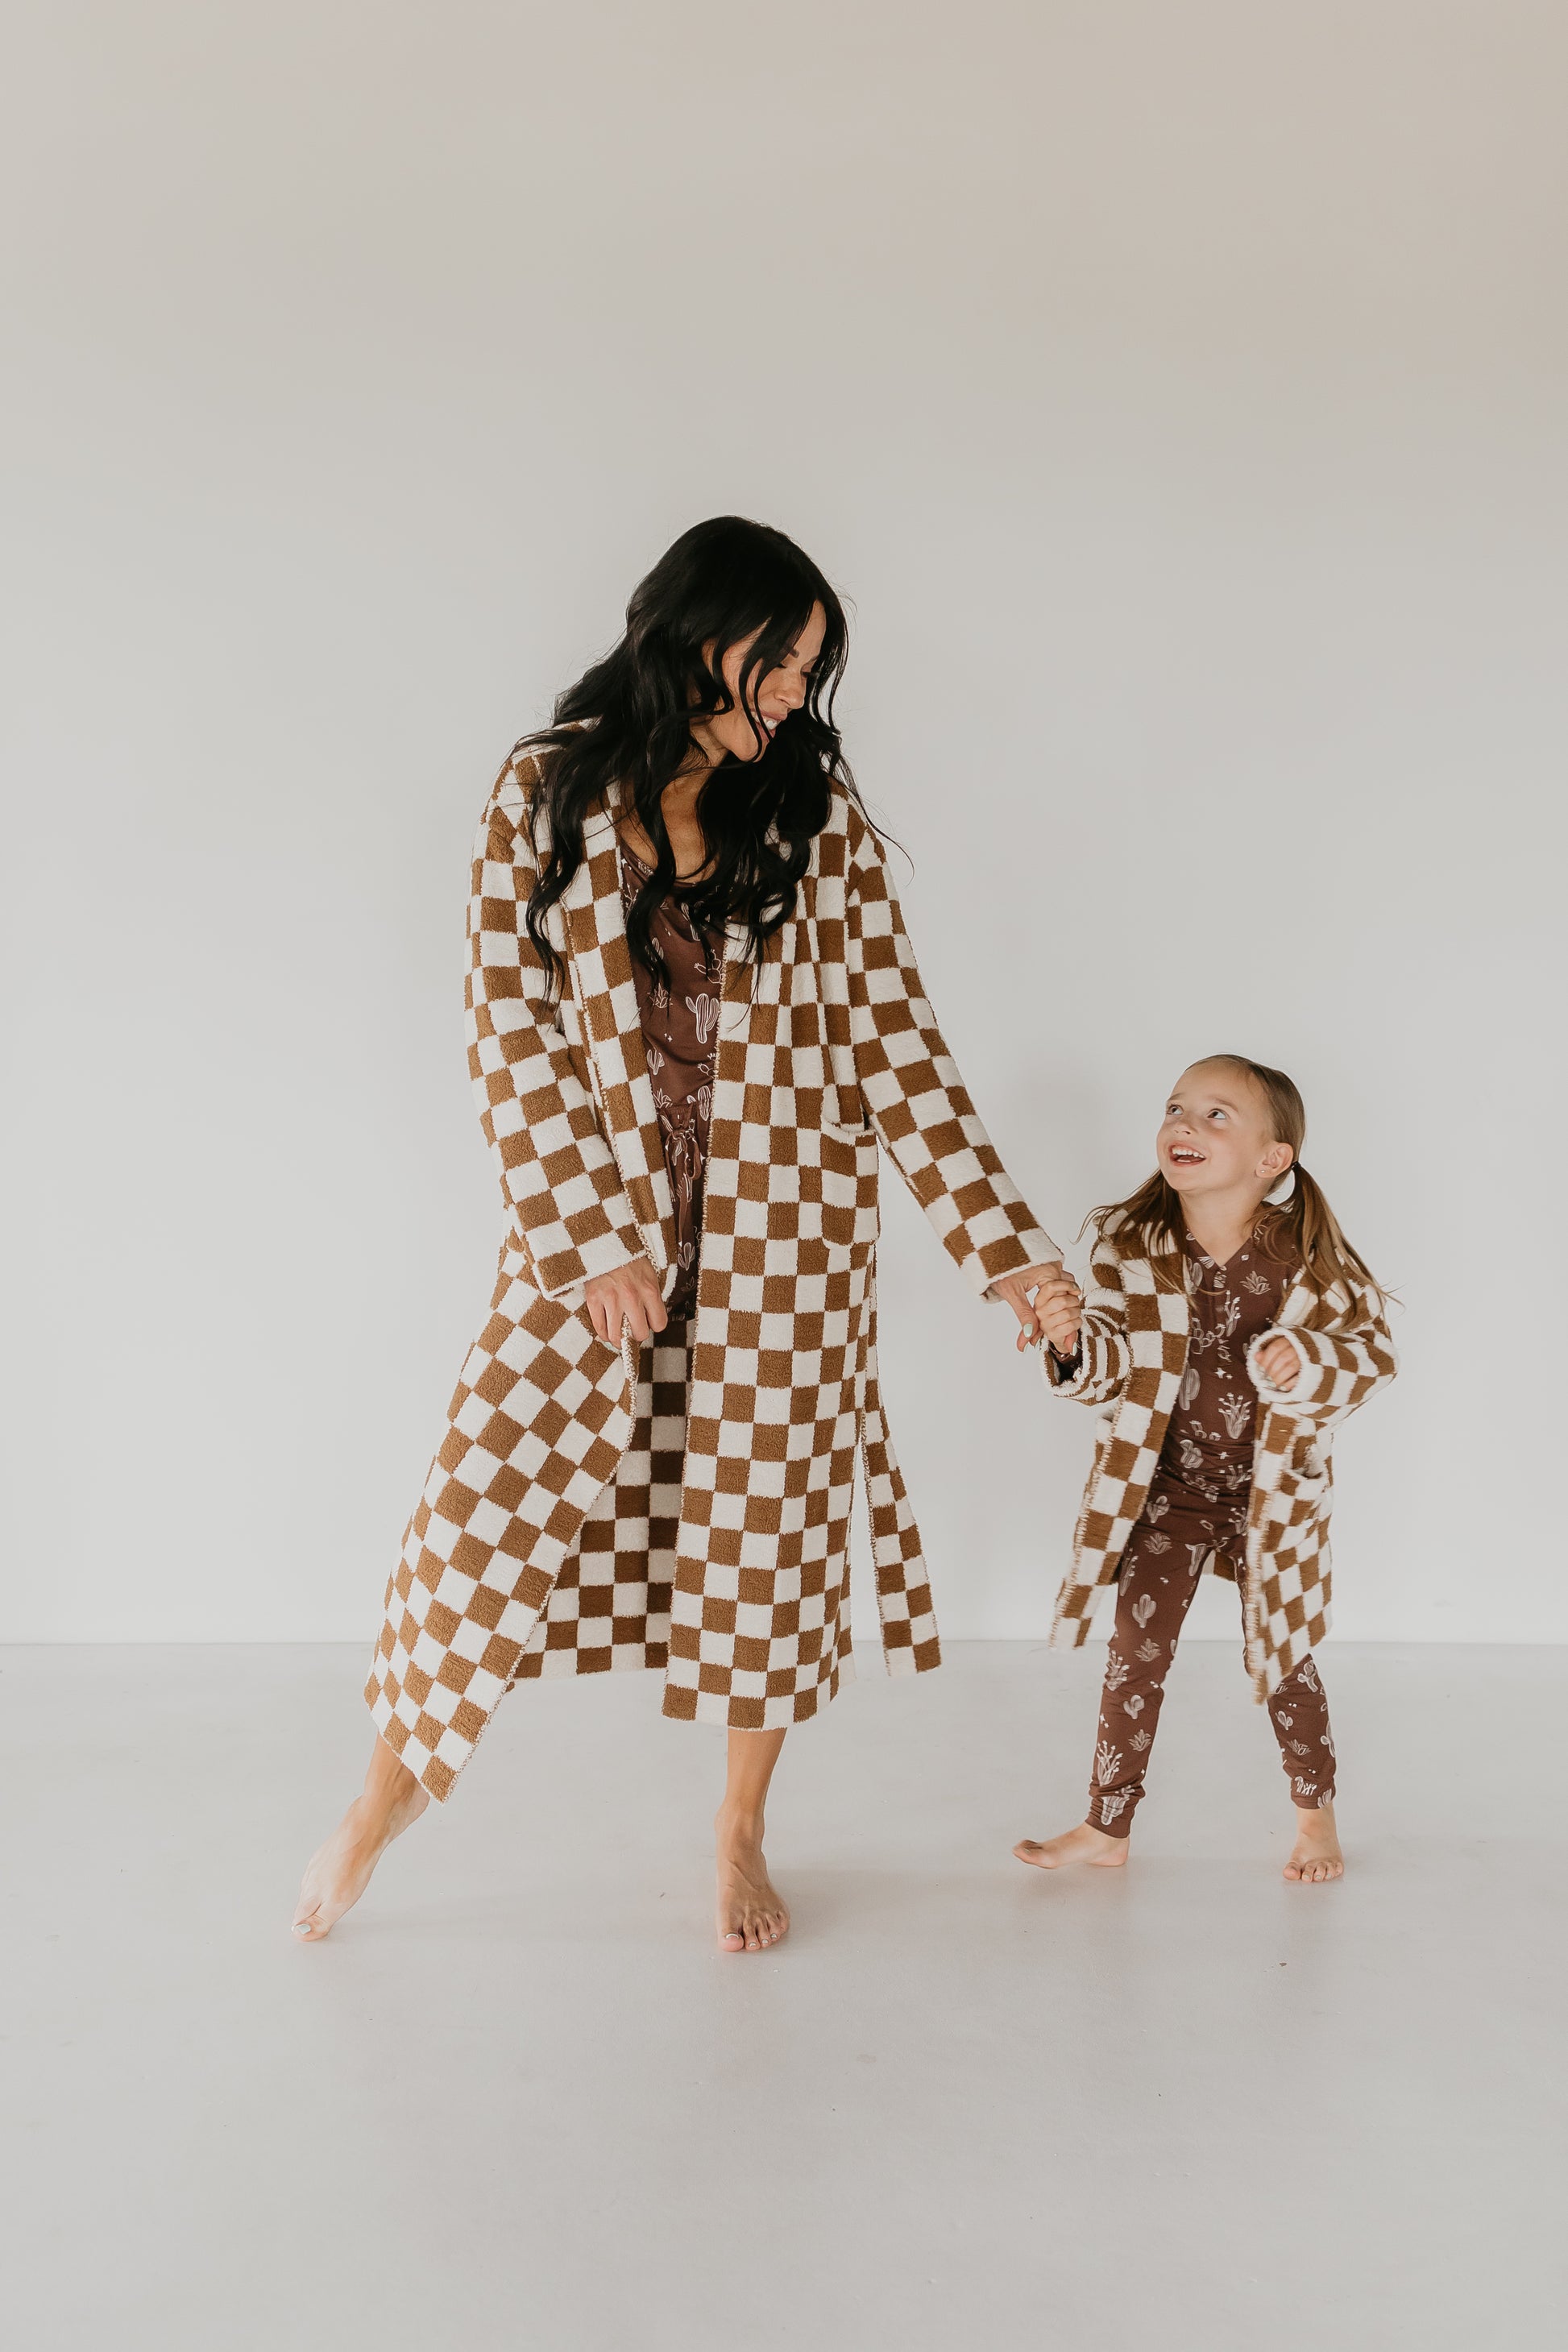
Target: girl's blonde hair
[(1303, 1228)]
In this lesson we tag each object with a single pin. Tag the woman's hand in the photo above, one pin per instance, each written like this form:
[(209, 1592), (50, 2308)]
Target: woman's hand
[(628, 1295), (1279, 1363), (1044, 1282)]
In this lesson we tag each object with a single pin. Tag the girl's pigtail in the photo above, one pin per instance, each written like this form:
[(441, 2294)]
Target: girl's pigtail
[(1329, 1260)]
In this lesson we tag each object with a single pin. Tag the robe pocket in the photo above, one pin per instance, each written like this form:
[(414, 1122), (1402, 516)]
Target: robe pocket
[(1303, 1497), (848, 1184)]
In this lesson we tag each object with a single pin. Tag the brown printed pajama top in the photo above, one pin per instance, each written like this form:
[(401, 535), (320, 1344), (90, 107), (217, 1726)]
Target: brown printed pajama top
[(1196, 1513)]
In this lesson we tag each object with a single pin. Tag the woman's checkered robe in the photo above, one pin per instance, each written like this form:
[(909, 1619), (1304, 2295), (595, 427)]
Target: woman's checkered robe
[(1133, 1342), (827, 1050)]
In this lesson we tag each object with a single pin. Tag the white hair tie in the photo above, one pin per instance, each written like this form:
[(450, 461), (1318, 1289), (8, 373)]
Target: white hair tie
[(1282, 1191)]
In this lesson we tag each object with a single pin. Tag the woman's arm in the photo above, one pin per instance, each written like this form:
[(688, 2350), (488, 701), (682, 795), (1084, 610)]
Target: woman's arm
[(914, 1095), (571, 1210), (1335, 1371)]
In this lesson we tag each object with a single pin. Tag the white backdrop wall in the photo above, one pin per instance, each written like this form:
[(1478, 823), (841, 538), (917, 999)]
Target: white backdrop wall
[(1178, 392)]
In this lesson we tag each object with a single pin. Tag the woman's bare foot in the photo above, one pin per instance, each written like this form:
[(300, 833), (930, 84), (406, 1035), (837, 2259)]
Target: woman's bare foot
[(752, 1915), (339, 1873), (1316, 1855), (1086, 1843)]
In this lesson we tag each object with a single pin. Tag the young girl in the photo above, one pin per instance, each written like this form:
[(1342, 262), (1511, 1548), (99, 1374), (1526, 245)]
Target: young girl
[(1230, 1327)]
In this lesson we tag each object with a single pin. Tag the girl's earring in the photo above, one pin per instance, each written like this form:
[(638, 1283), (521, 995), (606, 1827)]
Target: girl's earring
[(1282, 1191)]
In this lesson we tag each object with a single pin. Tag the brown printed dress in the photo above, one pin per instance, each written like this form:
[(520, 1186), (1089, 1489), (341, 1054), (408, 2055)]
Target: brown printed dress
[(1197, 1515), (680, 1016)]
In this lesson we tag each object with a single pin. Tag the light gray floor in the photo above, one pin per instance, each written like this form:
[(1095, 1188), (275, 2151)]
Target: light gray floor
[(518, 2100)]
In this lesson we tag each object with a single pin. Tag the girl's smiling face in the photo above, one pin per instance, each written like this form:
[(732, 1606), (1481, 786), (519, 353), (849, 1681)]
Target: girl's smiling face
[(1215, 1136)]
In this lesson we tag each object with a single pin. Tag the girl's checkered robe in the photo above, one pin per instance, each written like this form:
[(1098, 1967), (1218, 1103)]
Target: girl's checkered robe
[(1133, 1342), (825, 1052)]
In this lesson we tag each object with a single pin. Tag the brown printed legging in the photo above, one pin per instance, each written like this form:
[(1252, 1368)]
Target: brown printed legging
[(1160, 1571)]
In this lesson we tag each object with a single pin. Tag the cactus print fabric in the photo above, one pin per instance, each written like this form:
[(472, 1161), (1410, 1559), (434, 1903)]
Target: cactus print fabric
[(1209, 1444)]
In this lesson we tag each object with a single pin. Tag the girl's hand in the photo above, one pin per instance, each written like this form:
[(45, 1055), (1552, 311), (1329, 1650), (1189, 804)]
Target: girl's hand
[(628, 1295), (1059, 1306), (1279, 1362)]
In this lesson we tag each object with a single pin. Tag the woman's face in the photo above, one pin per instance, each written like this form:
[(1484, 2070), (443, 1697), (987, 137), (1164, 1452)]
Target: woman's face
[(778, 692)]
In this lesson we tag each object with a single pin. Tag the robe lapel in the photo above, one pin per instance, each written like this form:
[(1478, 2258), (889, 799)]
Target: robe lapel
[(600, 964)]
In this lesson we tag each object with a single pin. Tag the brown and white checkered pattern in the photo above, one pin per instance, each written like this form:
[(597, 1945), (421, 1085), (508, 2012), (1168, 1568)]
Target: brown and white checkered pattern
[(535, 1431), (903, 1595), (547, 1522), (609, 1605), (1133, 1341), (566, 1107)]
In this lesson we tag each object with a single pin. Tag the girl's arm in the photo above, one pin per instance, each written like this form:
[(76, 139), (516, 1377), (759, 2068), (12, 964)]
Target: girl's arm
[(1098, 1373), (570, 1209), (1336, 1371), (913, 1094)]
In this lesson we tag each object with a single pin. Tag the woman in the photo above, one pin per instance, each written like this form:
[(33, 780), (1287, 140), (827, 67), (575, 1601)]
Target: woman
[(693, 1012)]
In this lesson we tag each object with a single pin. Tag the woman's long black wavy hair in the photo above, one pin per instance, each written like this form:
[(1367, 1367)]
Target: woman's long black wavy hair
[(627, 720)]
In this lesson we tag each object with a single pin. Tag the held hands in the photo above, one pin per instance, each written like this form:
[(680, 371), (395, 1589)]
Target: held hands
[(630, 1295), (1279, 1362), (1053, 1307), (1059, 1305)]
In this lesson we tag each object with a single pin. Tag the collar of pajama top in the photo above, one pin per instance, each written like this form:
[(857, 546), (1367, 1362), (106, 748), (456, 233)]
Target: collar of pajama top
[(672, 913)]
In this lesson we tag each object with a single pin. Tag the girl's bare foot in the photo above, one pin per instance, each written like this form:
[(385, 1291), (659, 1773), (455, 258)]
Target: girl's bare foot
[(752, 1915), (339, 1873), (1085, 1843), (1316, 1855)]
